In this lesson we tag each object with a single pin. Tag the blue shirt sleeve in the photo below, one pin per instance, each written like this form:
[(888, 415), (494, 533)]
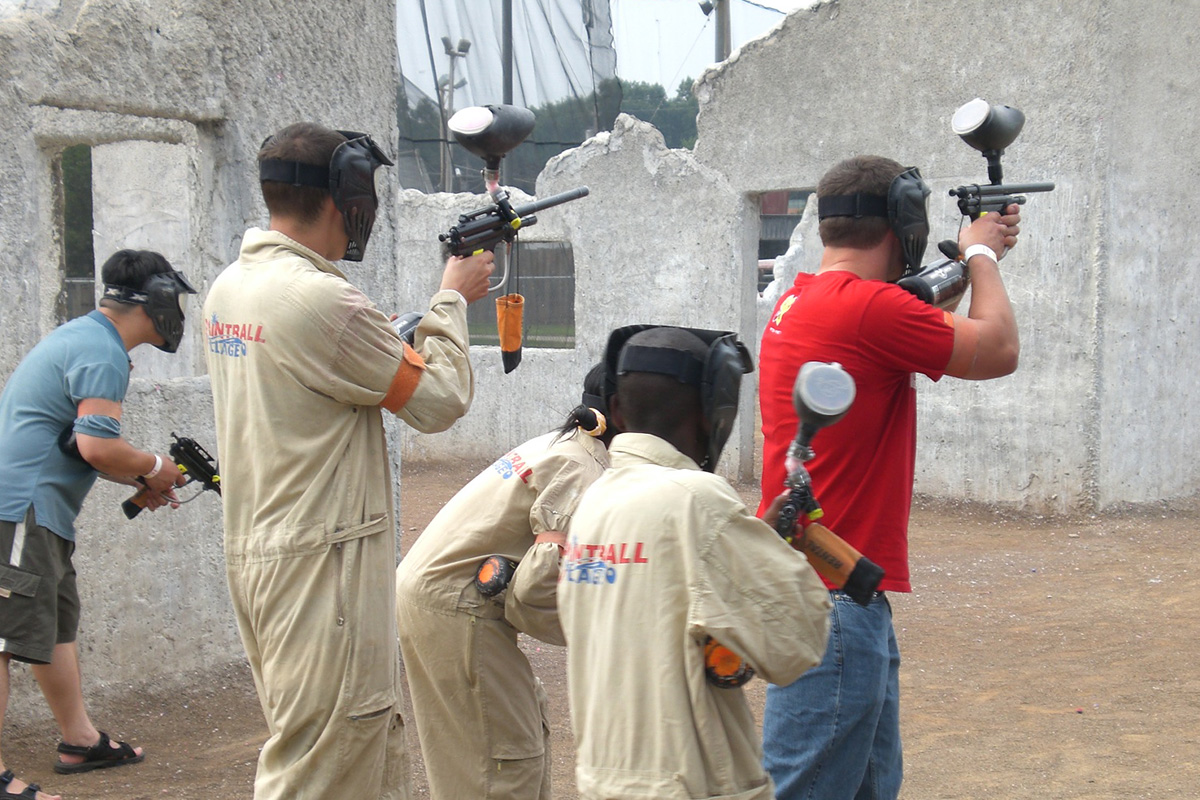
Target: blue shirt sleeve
[(99, 426), (100, 380)]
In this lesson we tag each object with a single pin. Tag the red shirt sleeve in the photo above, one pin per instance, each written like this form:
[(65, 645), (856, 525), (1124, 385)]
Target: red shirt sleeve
[(907, 334)]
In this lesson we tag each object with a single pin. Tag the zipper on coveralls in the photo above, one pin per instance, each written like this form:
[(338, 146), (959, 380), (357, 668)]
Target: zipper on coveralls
[(341, 585)]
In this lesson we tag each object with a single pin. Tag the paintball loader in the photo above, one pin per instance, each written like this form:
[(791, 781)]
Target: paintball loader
[(989, 129)]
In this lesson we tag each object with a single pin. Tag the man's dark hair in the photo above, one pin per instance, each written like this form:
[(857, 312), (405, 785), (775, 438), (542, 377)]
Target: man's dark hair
[(657, 404), (866, 174), (307, 143), (131, 268)]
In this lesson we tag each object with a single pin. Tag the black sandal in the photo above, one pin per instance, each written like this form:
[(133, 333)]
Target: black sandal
[(28, 793), (98, 756)]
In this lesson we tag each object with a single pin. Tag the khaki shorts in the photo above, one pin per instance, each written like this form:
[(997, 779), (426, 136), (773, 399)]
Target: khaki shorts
[(39, 604)]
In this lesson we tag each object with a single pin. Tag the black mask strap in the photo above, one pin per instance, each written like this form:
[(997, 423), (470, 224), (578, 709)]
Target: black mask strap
[(683, 367), (124, 294), (857, 205), (293, 172)]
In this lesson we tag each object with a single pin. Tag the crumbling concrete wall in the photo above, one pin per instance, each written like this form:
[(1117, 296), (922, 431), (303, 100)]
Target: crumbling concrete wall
[(1103, 281), (174, 97)]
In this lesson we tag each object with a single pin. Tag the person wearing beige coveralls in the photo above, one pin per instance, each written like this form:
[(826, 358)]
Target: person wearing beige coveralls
[(481, 713), (661, 556), (301, 365)]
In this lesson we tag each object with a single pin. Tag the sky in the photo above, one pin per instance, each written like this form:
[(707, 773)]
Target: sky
[(665, 41), (657, 41)]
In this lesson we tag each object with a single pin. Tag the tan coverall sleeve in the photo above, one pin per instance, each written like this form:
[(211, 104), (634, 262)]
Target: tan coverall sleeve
[(764, 601), (446, 385), (531, 604)]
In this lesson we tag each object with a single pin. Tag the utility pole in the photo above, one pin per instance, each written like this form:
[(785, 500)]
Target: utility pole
[(724, 41), (723, 44), (507, 56)]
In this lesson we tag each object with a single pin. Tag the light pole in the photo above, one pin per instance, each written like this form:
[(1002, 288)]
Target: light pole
[(723, 41), (446, 86)]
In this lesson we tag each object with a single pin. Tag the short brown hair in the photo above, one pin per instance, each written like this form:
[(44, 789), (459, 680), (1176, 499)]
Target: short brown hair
[(307, 143), (866, 174)]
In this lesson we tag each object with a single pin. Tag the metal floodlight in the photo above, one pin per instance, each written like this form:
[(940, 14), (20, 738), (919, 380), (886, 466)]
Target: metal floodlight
[(989, 129), (464, 46)]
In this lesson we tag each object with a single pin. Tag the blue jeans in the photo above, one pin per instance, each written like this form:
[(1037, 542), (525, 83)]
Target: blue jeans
[(834, 734)]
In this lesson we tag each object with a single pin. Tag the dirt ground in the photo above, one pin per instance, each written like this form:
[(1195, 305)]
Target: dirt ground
[(1042, 658)]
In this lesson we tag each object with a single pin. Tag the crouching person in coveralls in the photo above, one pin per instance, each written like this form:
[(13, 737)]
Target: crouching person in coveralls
[(481, 712), (302, 366), (663, 558)]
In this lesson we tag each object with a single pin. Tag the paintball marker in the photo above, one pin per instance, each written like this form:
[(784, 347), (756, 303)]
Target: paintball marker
[(822, 395), (989, 129), (490, 132), (193, 461)]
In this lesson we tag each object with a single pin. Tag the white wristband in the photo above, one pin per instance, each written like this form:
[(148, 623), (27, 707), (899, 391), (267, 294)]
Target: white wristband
[(980, 250), (157, 467)]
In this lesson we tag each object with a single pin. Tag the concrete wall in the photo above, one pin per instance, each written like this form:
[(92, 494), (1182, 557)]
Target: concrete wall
[(175, 97), (1103, 279)]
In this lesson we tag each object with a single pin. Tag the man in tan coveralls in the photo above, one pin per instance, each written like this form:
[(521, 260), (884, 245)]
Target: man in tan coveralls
[(480, 711), (662, 556), (301, 365)]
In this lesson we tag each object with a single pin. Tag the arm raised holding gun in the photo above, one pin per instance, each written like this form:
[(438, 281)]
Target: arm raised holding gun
[(989, 129), (491, 132)]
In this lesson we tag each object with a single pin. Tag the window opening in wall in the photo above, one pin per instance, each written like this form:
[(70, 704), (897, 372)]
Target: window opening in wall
[(779, 213), (79, 260), (545, 274)]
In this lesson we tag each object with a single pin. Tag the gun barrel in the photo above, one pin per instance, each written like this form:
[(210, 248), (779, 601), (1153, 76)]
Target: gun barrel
[(988, 190), (552, 200)]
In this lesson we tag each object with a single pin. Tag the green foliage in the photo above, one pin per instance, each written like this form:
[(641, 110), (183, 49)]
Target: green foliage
[(675, 118)]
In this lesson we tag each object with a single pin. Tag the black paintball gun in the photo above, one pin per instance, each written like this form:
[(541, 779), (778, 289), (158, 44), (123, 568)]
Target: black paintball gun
[(193, 461), (989, 129), (491, 132), (822, 395)]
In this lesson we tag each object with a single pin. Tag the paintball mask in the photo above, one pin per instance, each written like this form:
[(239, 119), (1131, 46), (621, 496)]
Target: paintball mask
[(164, 296), (349, 178), (904, 208), (718, 376)]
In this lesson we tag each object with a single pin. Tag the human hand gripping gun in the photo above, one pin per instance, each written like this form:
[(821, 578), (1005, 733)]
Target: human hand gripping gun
[(193, 461), (989, 129), (822, 394), (491, 132)]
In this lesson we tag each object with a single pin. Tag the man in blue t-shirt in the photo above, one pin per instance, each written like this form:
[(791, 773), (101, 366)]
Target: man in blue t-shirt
[(60, 426)]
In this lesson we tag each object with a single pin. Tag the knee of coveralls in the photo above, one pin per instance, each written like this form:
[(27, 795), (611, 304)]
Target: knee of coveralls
[(324, 631)]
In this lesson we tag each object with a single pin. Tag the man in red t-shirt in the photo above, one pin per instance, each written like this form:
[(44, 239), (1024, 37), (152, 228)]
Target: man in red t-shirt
[(835, 732)]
